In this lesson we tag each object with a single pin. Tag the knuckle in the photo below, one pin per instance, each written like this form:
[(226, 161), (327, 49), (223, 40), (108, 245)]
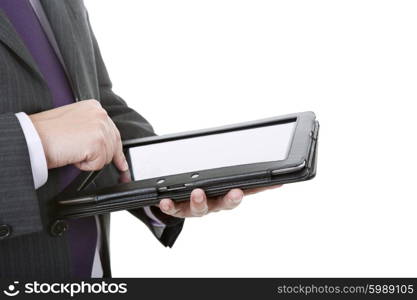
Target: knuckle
[(91, 105), (101, 161), (95, 109), (100, 141), (110, 156), (117, 133), (100, 126), (97, 147), (116, 139), (98, 165), (101, 113), (95, 162)]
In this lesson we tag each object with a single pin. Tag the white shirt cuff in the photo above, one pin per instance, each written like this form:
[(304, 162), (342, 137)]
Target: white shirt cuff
[(35, 148)]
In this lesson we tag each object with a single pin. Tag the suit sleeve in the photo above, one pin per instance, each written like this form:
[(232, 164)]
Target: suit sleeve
[(132, 125), (19, 206)]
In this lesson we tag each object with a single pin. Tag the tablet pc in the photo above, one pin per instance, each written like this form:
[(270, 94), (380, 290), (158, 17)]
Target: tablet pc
[(259, 153)]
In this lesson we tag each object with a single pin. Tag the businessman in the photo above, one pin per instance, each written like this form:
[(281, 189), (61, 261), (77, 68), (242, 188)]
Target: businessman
[(59, 117)]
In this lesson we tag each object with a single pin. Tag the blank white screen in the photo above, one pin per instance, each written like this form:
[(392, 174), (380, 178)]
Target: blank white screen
[(261, 144)]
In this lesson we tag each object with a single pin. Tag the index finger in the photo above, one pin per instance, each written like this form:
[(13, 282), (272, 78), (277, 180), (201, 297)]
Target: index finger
[(119, 158)]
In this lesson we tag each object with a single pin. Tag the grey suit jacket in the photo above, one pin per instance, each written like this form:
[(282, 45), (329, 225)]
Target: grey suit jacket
[(27, 247)]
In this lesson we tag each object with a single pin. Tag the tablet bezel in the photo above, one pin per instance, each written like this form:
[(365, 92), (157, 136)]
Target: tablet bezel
[(296, 159)]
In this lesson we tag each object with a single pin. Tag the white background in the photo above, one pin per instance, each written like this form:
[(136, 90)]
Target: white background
[(195, 64)]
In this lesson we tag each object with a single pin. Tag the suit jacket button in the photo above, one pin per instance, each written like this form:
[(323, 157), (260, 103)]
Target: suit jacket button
[(59, 227), (5, 231)]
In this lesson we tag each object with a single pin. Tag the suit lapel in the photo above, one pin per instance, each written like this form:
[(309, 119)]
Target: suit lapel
[(64, 18), (10, 38), (58, 27)]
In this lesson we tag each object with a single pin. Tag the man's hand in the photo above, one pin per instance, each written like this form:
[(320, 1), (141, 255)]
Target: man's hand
[(81, 134), (199, 205)]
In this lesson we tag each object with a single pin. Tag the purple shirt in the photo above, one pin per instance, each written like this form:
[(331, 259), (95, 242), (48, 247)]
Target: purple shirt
[(82, 233)]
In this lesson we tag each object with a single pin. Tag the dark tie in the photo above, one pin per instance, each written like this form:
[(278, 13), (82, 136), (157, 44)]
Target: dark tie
[(82, 233)]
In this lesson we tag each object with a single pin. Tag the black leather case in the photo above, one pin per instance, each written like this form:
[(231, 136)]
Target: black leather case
[(82, 199)]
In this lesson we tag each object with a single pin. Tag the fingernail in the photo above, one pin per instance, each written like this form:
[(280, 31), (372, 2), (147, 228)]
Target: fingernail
[(199, 199)]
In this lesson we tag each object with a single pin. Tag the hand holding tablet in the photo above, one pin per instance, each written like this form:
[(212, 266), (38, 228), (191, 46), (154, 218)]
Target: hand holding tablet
[(244, 156)]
